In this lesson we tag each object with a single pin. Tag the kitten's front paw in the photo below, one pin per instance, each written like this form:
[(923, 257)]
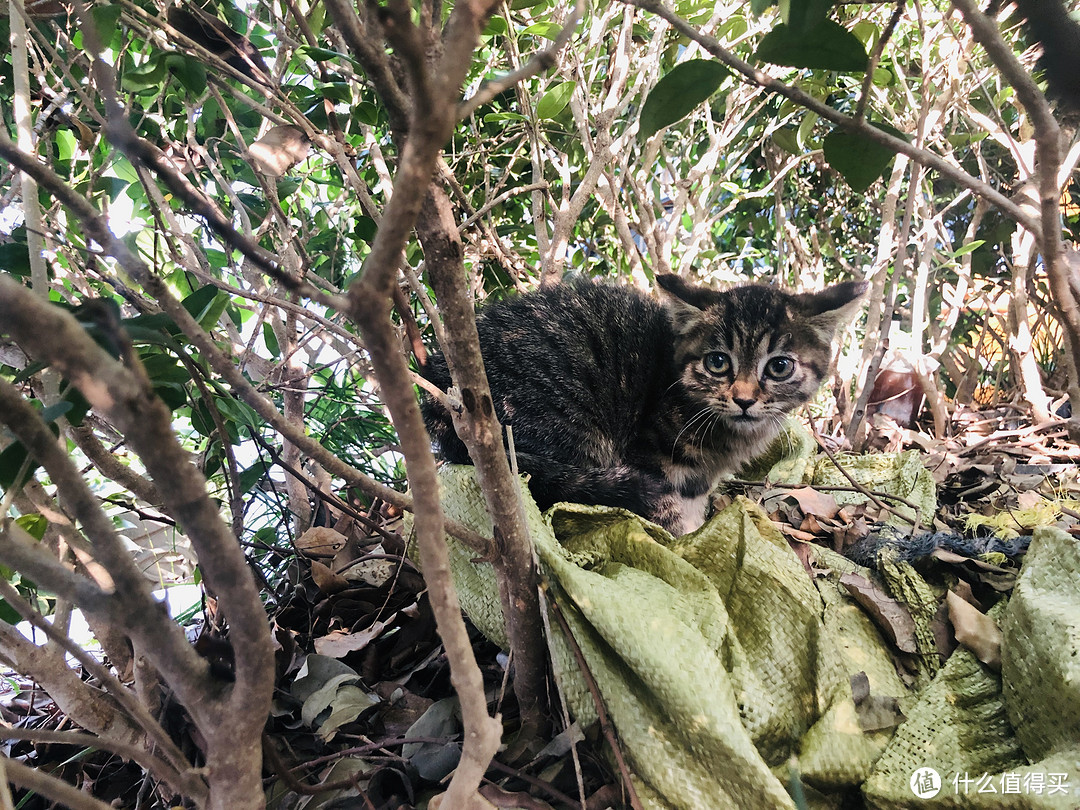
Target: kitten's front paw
[(664, 506)]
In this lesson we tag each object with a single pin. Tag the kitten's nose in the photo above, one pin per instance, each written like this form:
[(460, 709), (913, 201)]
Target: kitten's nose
[(743, 403)]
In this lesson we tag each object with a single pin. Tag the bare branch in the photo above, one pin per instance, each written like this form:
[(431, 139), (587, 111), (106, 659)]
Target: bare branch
[(477, 425), (97, 228), (89, 707), (111, 467), (369, 306), (50, 787), (127, 398), (1064, 276)]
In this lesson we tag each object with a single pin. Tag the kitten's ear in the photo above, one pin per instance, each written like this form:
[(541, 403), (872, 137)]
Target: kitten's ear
[(684, 301), (830, 309), (676, 288)]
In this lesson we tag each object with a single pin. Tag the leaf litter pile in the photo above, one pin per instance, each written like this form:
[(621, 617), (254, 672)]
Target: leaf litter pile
[(364, 714)]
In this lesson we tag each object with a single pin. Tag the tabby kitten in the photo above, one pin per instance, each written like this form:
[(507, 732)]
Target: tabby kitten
[(617, 399)]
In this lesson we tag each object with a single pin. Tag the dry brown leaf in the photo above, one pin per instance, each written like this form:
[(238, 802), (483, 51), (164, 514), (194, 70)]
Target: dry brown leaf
[(860, 687), (812, 502), (371, 572), (504, 798), (805, 554), (849, 532), (975, 630), (320, 541), (326, 580), (791, 531), (944, 640), (892, 616), (338, 643), (280, 149), (998, 578)]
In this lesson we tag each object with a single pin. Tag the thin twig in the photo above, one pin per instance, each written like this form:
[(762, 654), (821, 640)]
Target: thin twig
[(314, 488), (50, 787), (96, 226), (821, 488), (76, 738), (1061, 273), (875, 58), (598, 700)]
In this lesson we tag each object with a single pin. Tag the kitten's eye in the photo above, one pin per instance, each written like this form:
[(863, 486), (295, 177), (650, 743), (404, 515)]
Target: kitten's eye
[(780, 368), (717, 363)]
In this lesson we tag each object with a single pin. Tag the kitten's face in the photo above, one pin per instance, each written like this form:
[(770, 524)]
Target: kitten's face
[(753, 354)]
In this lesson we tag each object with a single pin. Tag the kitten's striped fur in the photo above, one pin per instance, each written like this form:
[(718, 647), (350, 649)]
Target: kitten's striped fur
[(618, 399)]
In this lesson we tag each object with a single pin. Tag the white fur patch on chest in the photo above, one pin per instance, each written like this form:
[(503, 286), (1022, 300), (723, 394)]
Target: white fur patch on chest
[(693, 512)]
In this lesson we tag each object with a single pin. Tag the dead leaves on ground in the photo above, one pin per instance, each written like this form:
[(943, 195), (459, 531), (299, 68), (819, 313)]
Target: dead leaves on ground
[(363, 680)]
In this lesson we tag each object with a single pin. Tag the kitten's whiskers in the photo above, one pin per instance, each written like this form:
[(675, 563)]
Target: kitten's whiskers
[(703, 412)]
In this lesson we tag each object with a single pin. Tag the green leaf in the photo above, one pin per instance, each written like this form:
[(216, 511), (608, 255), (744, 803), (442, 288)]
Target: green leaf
[(554, 100), (287, 187), (15, 454), (318, 54), (365, 228), (190, 72), (174, 395), (828, 46), (336, 91), (883, 77), (805, 15), (79, 405), (325, 54), (15, 258), (547, 30), (678, 93), (206, 305), (867, 32), (860, 160), (33, 524), (198, 303), (806, 128), (105, 19), (758, 7), (11, 461), (270, 339), (251, 476), (366, 113), (492, 118), (787, 138), (112, 186), (201, 419), (147, 76), (55, 411), (8, 613), (968, 248), (164, 368)]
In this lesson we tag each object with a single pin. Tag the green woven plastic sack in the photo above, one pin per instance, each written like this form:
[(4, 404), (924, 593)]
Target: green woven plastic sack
[(1008, 740), (710, 651)]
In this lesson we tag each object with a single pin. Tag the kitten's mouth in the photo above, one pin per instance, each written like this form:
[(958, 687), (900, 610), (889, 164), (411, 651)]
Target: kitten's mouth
[(744, 419)]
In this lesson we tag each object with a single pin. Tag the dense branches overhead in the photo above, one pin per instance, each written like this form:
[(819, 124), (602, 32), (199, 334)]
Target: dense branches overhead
[(226, 232)]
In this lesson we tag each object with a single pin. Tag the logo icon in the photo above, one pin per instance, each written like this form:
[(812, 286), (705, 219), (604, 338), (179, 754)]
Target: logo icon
[(925, 783)]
